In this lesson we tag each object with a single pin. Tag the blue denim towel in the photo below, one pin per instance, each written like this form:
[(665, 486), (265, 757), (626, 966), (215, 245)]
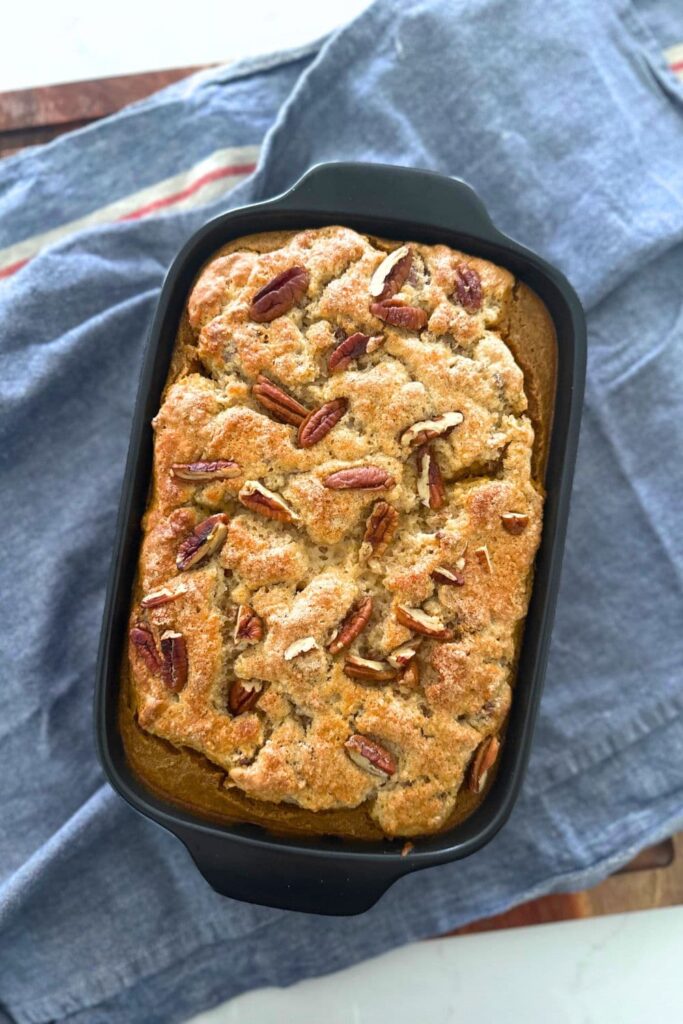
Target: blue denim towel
[(569, 125)]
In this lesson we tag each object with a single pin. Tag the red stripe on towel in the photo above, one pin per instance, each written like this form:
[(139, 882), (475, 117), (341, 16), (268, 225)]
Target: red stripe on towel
[(215, 175), (233, 170)]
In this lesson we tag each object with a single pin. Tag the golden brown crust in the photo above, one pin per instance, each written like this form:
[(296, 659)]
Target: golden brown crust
[(295, 555)]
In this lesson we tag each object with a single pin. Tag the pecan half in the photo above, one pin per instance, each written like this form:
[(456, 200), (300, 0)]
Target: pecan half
[(279, 295), (484, 759), (514, 522), (249, 626), (278, 402), (319, 423), (359, 478), (353, 347), (143, 641), (391, 274), (174, 665), (307, 643), (426, 430), (366, 668), (258, 498), (483, 557), (420, 622), (431, 489), (398, 314), (403, 655), (219, 469), (352, 626), (468, 287), (451, 577), (243, 695), (379, 529), (369, 755), (155, 598), (206, 538)]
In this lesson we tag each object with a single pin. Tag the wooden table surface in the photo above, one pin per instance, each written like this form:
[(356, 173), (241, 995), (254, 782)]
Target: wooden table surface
[(31, 116)]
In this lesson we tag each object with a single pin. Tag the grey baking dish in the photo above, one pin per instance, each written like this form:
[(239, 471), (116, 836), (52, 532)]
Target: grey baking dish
[(327, 875)]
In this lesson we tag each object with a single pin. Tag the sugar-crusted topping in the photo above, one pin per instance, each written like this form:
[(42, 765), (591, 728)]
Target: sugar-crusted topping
[(337, 551)]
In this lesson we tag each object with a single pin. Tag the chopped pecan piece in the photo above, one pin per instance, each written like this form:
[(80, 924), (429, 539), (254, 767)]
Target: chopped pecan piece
[(206, 538), (483, 557), (219, 469), (258, 498), (391, 274), (379, 529), (514, 522), (427, 430), (174, 655), (369, 755), (319, 423), (279, 295), (398, 314), (143, 641), (155, 598), (484, 759), (249, 626), (468, 287), (353, 347), (403, 655), (410, 677), (359, 478), (366, 668), (307, 643), (451, 577), (351, 627), (278, 402), (431, 489), (243, 695), (421, 622)]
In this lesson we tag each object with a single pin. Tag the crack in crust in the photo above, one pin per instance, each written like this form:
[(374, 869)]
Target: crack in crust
[(340, 574)]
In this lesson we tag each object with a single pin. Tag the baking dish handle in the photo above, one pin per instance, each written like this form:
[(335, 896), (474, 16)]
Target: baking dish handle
[(361, 190), (291, 880)]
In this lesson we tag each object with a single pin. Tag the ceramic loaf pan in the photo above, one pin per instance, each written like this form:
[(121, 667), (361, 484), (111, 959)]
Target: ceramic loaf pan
[(316, 873)]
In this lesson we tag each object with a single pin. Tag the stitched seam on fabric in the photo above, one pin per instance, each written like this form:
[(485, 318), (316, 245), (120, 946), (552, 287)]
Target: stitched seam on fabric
[(572, 881), (637, 24), (582, 758), (632, 480)]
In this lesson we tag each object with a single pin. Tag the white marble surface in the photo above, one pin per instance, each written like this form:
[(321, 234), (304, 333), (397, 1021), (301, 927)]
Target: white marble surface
[(44, 42), (622, 969)]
